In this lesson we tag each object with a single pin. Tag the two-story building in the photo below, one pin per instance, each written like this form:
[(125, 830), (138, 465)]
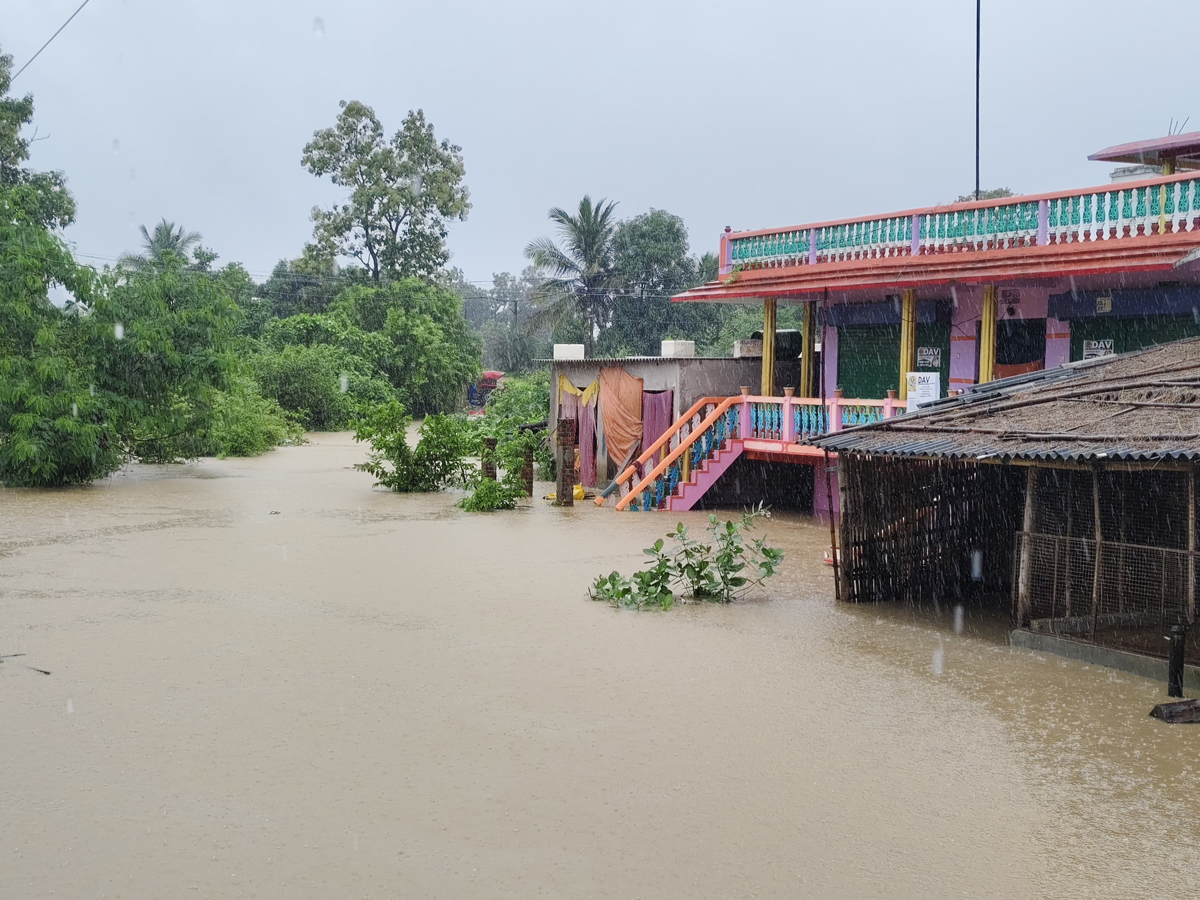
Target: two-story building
[(969, 292)]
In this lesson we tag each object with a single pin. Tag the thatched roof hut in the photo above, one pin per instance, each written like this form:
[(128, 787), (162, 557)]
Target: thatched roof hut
[(1069, 493)]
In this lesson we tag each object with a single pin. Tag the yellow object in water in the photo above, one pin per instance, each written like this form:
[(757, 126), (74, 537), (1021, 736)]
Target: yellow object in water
[(578, 493)]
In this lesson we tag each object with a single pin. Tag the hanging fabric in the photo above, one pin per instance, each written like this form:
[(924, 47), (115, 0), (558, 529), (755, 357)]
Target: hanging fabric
[(658, 414), (587, 442), (621, 399), (584, 394)]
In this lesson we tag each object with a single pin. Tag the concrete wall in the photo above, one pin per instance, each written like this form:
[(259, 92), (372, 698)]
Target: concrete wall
[(690, 379)]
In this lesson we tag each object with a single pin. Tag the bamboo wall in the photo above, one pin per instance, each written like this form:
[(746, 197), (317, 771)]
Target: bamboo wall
[(911, 529)]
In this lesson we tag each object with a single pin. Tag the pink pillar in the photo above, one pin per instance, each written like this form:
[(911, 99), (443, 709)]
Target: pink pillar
[(829, 356), (787, 432), (1058, 343), (964, 324)]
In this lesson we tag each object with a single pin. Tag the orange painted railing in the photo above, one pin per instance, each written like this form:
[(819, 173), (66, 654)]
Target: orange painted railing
[(677, 432), (785, 420), (660, 476)]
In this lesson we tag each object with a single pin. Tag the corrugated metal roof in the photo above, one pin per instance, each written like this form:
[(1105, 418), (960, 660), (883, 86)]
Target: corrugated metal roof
[(1143, 405), (1155, 150)]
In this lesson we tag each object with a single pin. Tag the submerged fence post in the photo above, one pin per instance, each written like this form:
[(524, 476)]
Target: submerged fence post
[(1175, 663), (487, 459), (564, 490)]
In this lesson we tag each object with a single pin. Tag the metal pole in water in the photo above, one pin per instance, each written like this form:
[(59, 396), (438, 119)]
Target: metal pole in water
[(1175, 663)]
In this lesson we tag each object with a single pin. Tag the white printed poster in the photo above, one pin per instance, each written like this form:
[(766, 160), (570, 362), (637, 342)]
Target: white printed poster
[(923, 388), (1097, 349)]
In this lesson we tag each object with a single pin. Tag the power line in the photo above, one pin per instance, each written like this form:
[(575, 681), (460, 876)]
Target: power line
[(52, 37)]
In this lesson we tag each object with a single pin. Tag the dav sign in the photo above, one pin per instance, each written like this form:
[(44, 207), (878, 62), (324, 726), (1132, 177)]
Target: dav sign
[(1097, 349), (923, 388)]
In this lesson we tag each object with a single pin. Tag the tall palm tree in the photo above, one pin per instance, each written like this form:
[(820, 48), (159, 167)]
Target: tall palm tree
[(166, 239), (576, 279)]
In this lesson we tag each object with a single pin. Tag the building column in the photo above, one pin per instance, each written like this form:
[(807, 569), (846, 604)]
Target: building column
[(808, 362), (767, 385), (987, 335), (908, 338)]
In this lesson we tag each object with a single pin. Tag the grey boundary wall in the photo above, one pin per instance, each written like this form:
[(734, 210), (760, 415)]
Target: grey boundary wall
[(1121, 660)]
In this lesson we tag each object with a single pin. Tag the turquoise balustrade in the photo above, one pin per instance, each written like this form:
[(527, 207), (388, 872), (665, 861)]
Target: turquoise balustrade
[(1009, 223)]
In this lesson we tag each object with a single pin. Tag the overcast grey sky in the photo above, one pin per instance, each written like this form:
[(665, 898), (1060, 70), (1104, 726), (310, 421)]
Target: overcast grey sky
[(746, 114)]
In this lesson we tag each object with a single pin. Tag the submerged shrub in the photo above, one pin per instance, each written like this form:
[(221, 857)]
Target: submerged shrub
[(245, 423), (437, 461), (720, 570), (488, 495)]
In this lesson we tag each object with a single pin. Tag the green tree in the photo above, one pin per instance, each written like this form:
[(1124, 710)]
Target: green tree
[(48, 202), (993, 194), (403, 191), (651, 263), (167, 243), (54, 430), (577, 278), (417, 339), (162, 343), (308, 382), (304, 285)]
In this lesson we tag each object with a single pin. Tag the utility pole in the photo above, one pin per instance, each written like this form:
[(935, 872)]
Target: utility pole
[(978, 5)]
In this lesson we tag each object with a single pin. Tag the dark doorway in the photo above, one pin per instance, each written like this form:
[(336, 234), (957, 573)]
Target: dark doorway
[(1020, 346)]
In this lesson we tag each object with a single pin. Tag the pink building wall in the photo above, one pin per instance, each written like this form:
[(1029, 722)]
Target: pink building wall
[(829, 355)]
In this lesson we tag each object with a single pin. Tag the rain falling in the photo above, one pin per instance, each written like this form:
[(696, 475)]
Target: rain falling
[(469, 450)]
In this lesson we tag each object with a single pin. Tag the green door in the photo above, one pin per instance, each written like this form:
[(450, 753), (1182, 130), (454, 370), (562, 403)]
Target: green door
[(1130, 333), (934, 339), (868, 360)]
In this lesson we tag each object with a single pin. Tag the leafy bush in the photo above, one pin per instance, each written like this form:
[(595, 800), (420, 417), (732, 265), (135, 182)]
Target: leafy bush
[(161, 341), (718, 571), (436, 462), (306, 381), (488, 495), (244, 423), (520, 400)]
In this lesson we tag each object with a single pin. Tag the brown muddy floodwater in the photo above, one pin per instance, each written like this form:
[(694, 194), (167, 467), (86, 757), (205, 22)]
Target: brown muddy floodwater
[(268, 679)]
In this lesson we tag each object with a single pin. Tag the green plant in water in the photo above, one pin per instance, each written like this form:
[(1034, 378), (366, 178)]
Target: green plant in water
[(720, 570), (437, 461), (488, 495)]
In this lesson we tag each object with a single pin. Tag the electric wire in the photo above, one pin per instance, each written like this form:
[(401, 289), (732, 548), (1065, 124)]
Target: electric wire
[(52, 37)]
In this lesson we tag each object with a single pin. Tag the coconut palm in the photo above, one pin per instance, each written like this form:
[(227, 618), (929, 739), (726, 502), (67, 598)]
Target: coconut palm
[(167, 239), (577, 278)]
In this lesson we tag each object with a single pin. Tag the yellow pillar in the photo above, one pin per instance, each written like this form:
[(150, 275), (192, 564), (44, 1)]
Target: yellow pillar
[(808, 362), (987, 336), (767, 386), (908, 338), (1168, 168)]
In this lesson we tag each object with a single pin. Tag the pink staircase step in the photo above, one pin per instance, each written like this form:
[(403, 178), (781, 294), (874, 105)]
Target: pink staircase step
[(705, 477)]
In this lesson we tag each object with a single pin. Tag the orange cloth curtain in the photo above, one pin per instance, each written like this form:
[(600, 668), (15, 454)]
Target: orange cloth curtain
[(621, 407)]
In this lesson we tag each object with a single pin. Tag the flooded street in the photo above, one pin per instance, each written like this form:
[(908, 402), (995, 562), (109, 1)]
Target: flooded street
[(267, 679)]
